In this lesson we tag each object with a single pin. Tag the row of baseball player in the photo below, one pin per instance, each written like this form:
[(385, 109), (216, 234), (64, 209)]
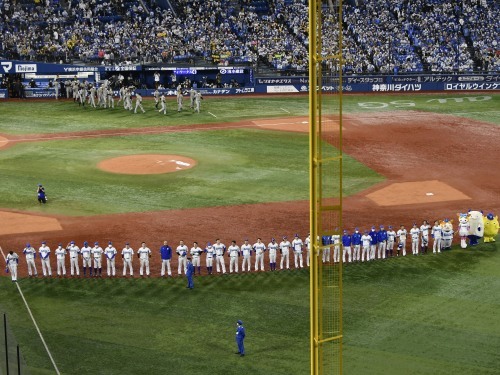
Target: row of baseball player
[(103, 97), (371, 245)]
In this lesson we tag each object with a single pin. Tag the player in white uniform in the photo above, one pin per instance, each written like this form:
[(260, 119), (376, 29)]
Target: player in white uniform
[(156, 96), (197, 102), (127, 256), (138, 103), (259, 249), (297, 245), (285, 246), (110, 254), (30, 254), (144, 253), (233, 253), (86, 252), (246, 252), (61, 260), (92, 96), (163, 105), (44, 251), (180, 98), (415, 236), (336, 246), (307, 242), (220, 250), (12, 260), (111, 98), (366, 240), (97, 256), (437, 235), (74, 252), (196, 252), (210, 251), (391, 238), (401, 234), (181, 251), (273, 249), (192, 95), (424, 236)]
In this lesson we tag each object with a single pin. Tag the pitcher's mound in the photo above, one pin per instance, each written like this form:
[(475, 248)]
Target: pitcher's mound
[(146, 164)]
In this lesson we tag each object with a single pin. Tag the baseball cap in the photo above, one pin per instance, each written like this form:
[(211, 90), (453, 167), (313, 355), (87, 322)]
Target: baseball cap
[(356, 229), (28, 245), (240, 322), (272, 239), (127, 243), (381, 226), (373, 227), (44, 242), (60, 244), (390, 226), (96, 243), (296, 234), (284, 237), (85, 243), (72, 242), (110, 243), (209, 244)]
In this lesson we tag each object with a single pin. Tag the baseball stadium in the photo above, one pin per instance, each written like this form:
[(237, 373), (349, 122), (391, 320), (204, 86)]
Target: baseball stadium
[(319, 177)]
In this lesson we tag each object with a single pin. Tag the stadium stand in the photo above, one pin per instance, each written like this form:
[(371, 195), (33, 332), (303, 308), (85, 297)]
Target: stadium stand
[(383, 36)]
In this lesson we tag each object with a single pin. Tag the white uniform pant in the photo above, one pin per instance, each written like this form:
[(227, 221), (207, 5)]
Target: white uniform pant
[(144, 264), (197, 108), (163, 108), (196, 261), (210, 262), (182, 265), (298, 259), (221, 264), (233, 264), (166, 263), (425, 241), (336, 253), (326, 254), (246, 261), (390, 245), (87, 262), (13, 271), (61, 267), (97, 263), (73, 266), (356, 254), (346, 250), (414, 247), (285, 256), (259, 259), (373, 248), (127, 262), (365, 253), (308, 257), (92, 101), (138, 105), (436, 246), (111, 102), (381, 250), (111, 267), (47, 270), (403, 248), (31, 265), (272, 258)]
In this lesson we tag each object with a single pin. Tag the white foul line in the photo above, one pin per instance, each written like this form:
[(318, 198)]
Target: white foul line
[(212, 114), (284, 110), (34, 321)]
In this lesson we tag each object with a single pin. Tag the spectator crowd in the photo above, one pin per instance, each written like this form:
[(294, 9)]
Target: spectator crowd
[(383, 36)]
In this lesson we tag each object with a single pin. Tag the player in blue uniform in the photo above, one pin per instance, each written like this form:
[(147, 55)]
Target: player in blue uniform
[(382, 242), (40, 192), (189, 273), (356, 243), (240, 337), (373, 245), (166, 256), (346, 246)]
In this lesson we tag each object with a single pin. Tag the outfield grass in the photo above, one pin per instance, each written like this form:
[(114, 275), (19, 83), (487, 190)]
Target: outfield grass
[(238, 166), (64, 116), (417, 315)]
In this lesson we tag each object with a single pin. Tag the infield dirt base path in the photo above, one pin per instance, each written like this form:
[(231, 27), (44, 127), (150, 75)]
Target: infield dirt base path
[(405, 147)]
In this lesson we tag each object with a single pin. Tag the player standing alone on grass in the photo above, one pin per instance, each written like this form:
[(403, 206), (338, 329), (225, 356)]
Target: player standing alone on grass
[(40, 193)]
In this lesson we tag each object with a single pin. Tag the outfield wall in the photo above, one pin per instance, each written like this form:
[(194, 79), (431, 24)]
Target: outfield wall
[(42, 73)]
